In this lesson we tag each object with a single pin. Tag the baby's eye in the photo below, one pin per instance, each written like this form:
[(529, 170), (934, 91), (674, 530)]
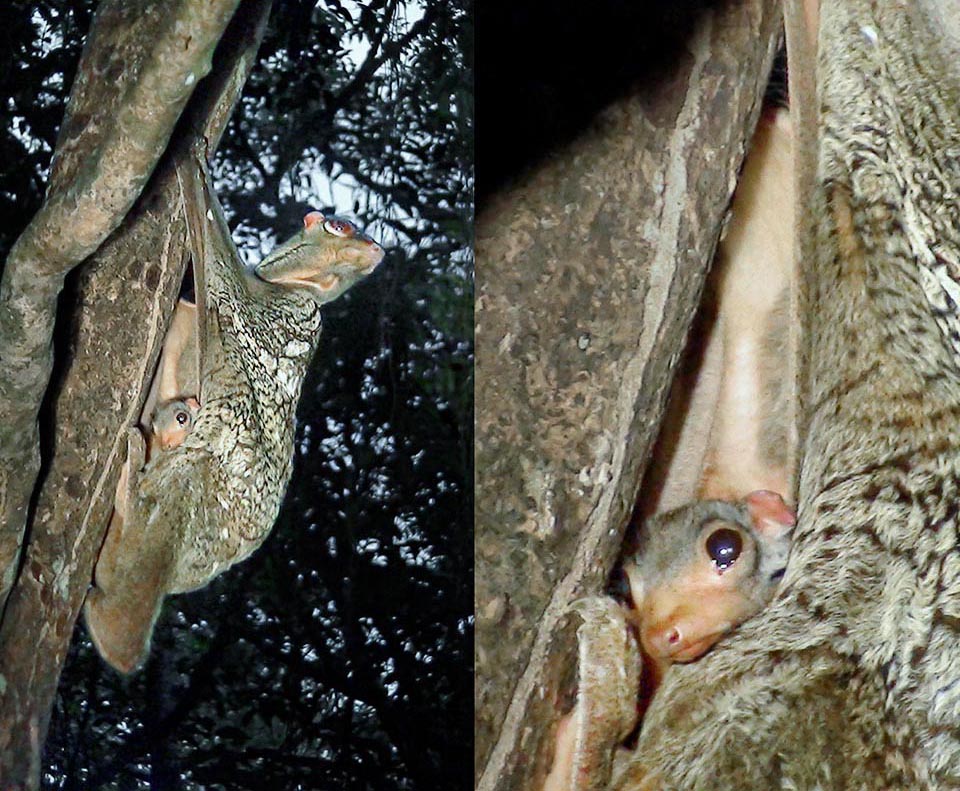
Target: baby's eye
[(183, 418), (724, 547), (339, 227)]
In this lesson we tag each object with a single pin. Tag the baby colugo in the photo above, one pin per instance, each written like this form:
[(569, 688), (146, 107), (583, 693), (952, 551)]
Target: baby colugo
[(698, 571), (691, 576), (171, 422)]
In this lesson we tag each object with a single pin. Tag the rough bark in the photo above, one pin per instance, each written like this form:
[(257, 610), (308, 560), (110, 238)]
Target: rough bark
[(125, 296), (139, 67), (590, 270)]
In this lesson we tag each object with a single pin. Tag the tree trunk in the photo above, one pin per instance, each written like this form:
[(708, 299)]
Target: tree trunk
[(120, 309), (140, 65), (590, 269)]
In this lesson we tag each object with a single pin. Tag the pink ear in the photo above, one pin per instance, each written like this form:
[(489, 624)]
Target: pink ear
[(769, 506), (312, 218)]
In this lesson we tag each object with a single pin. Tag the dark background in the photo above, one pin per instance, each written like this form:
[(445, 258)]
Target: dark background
[(546, 68), (339, 656)]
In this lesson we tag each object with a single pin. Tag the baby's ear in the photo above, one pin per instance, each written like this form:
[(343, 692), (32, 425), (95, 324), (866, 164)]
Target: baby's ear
[(769, 513)]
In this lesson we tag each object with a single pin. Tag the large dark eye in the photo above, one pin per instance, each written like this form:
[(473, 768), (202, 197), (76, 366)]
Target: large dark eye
[(339, 227), (724, 547), (183, 418)]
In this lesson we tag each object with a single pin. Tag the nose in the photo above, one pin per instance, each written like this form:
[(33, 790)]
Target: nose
[(664, 639), (375, 254)]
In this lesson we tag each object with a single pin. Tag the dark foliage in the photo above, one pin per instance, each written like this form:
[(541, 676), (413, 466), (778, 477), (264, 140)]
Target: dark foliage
[(39, 49), (340, 655)]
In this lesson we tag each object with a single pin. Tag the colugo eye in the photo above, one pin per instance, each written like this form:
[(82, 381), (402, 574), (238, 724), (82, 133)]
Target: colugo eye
[(339, 227), (183, 418), (724, 547)]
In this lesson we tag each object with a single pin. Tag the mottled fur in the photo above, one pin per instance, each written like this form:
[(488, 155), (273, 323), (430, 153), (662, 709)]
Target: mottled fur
[(197, 509)]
